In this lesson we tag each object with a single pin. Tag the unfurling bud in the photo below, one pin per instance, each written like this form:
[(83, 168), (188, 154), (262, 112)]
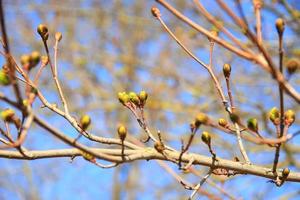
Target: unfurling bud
[(123, 97), (205, 137), (58, 36), (85, 121), (87, 156), (4, 78), (223, 122), (43, 31), (252, 124), (280, 26), (134, 98), (143, 97), (274, 116), (155, 12), (122, 132), (226, 70), (289, 117), (292, 65), (201, 118), (159, 146), (285, 172), (7, 115)]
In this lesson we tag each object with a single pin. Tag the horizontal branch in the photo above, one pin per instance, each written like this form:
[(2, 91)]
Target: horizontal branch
[(151, 154)]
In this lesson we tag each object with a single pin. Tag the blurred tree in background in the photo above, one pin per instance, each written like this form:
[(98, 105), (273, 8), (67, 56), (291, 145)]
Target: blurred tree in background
[(109, 47)]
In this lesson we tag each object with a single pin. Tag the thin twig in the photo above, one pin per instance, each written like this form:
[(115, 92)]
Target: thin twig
[(257, 7), (281, 104), (240, 143), (200, 184), (11, 68)]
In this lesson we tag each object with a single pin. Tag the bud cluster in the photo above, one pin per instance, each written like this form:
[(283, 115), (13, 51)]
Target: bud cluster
[(132, 97), (29, 61)]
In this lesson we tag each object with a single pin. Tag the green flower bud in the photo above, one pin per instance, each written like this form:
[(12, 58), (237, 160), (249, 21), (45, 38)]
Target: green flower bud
[(25, 59), (123, 97), (201, 118), (43, 31), (87, 156), (143, 96), (4, 78), (85, 121), (206, 138), (285, 172), (25, 102), (7, 115), (35, 58), (155, 12), (159, 146), (289, 117), (58, 36), (292, 65), (280, 26), (252, 124), (134, 98), (45, 60), (234, 117), (122, 132), (226, 70), (274, 115), (222, 122)]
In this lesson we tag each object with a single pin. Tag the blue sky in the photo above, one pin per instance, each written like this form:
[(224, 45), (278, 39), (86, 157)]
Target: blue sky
[(61, 179)]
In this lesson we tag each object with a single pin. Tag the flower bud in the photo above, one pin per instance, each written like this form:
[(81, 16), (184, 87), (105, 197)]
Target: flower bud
[(223, 122), (122, 132), (85, 121), (201, 118), (289, 117), (234, 117), (252, 124), (58, 36), (43, 31), (143, 96), (292, 65), (155, 12), (87, 156), (4, 78), (205, 137), (213, 33), (274, 116), (159, 146), (25, 59), (35, 57), (123, 97), (7, 115), (45, 60), (285, 172), (25, 102), (134, 98), (280, 26), (226, 70)]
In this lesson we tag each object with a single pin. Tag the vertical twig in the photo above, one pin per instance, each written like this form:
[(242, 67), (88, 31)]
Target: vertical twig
[(281, 102), (257, 7), (11, 67)]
